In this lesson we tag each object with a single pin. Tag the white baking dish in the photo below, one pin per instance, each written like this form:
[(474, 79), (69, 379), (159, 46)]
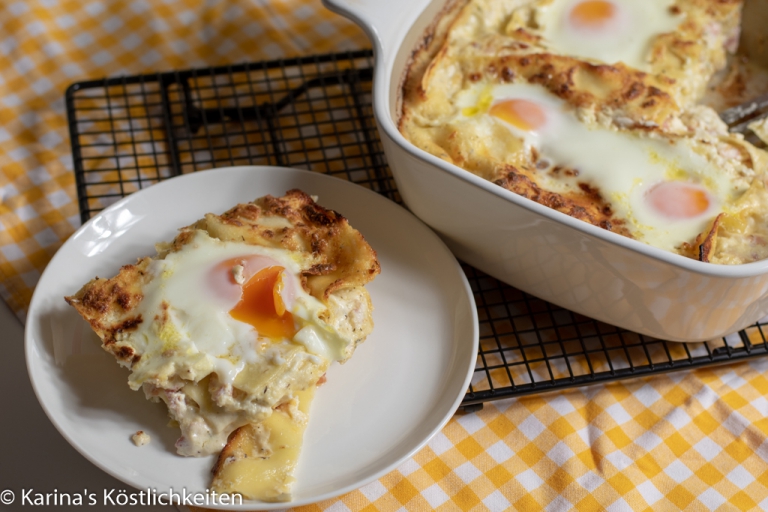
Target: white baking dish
[(541, 251)]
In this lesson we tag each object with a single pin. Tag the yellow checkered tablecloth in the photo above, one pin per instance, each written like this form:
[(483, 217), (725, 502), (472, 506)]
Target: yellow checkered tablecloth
[(694, 440), (46, 45)]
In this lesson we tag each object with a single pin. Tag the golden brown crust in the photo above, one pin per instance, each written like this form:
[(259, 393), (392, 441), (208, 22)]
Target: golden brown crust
[(107, 305), (243, 442), (638, 96), (497, 42), (337, 256), (703, 248), (707, 247), (588, 206)]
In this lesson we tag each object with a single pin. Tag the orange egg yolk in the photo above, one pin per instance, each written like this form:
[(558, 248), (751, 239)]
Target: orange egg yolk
[(676, 200), (522, 114), (262, 306), (592, 13)]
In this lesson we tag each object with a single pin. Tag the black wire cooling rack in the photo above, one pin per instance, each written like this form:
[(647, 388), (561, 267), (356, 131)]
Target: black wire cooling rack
[(315, 113)]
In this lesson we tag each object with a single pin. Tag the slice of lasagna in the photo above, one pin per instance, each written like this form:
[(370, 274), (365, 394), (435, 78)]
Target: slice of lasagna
[(236, 318)]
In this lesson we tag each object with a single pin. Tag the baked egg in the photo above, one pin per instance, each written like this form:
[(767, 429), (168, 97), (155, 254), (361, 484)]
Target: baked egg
[(664, 189), (591, 108), (227, 304), (606, 30)]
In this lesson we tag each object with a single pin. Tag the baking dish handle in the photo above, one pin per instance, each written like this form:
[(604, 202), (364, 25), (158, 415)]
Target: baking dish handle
[(383, 21)]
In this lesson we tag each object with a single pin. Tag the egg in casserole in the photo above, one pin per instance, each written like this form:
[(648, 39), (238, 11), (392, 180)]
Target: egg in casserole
[(237, 317), (592, 108)]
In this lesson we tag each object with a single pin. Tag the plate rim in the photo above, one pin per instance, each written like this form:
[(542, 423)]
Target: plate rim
[(37, 295)]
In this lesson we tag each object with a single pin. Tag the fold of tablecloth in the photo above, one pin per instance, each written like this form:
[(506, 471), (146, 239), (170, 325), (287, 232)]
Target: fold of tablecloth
[(692, 441)]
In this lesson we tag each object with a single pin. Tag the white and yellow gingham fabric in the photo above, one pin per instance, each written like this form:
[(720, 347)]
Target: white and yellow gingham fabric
[(688, 441), (693, 441), (45, 45)]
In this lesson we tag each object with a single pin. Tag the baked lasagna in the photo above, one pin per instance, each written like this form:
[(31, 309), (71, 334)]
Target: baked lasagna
[(593, 108)]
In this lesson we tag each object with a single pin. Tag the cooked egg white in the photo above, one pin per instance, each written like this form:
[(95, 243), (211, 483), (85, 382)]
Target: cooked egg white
[(229, 333), (208, 328), (608, 31), (667, 192)]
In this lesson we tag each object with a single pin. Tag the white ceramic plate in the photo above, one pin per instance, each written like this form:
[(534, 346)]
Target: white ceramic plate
[(400, 388)]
